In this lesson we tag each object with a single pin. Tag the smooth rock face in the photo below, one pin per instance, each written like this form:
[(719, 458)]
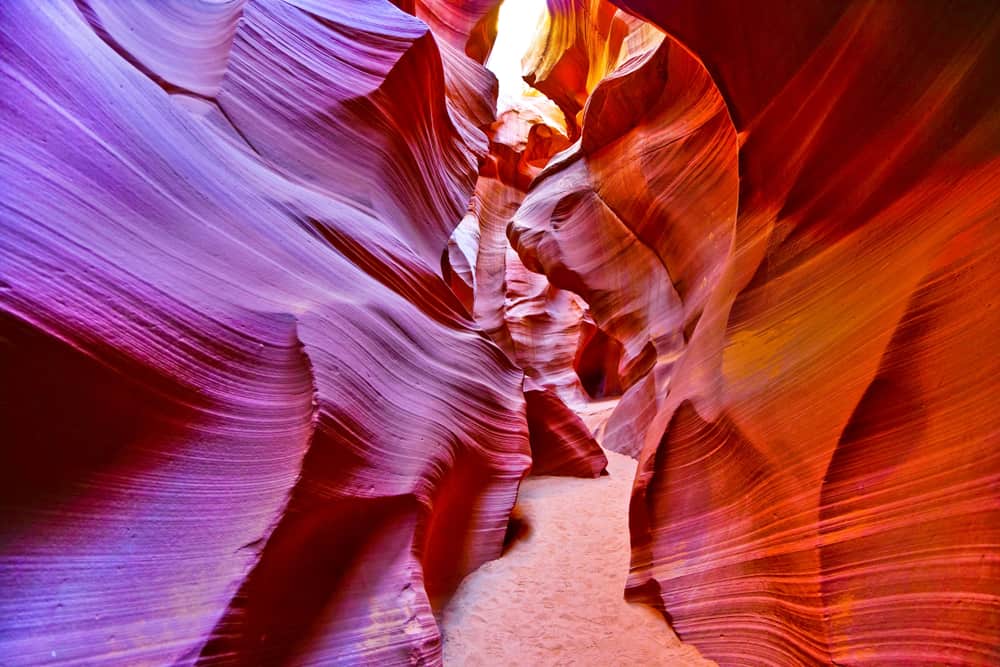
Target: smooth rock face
[(821, 481), (535, 323), (637, 216), (287, 314), (580, 43), (561, 444), (244, 420)]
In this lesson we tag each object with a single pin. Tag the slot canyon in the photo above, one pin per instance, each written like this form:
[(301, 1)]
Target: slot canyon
[(565, 332)]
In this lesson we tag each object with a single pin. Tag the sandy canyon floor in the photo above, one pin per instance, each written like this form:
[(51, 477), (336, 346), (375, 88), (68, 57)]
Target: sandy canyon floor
[(556, 596)]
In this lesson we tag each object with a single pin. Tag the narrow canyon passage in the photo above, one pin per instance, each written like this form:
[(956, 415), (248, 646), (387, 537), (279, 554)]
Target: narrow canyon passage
[(555, 596), (402, 333)]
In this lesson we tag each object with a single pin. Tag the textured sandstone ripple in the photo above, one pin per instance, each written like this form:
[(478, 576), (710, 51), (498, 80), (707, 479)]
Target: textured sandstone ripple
[(244, 420)]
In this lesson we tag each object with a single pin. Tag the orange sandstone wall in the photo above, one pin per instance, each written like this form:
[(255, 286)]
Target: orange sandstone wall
[(820, 481)]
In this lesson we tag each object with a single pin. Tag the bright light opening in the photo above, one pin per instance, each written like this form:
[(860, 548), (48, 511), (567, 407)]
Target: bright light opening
[(518, 25)]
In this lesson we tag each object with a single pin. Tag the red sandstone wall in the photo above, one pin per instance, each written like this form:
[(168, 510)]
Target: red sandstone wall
[(245, 420), (820, 480)]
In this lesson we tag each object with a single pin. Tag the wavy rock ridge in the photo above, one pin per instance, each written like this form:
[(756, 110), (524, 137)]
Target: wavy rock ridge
[(225, 337), (804, 305), (287, 314)]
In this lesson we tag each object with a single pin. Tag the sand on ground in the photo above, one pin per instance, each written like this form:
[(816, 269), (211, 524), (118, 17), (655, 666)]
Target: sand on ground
[(556, 597)]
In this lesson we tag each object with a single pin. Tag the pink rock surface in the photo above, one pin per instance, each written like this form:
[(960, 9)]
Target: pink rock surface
[(245, 421), (536, 324), (561, 444), (286, 316)]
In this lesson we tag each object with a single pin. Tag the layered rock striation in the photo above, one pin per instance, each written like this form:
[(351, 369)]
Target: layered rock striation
[(819, 468), (287, 313), (244, 420), (538, 325)]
